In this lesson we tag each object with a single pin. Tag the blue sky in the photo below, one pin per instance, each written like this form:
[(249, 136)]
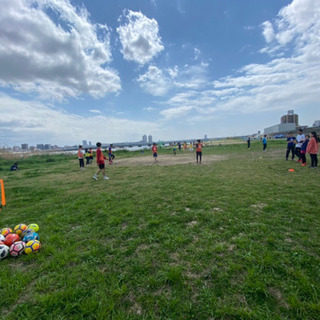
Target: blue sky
[(113, 71)]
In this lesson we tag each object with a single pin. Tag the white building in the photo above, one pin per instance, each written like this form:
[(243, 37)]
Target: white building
[(316, 123), (283, 127)]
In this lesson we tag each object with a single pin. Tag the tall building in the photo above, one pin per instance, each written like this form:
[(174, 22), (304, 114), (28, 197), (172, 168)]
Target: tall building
[(84, 142), (205, 137), (150, 138), (290, 117), (24, 146), (144, 138)]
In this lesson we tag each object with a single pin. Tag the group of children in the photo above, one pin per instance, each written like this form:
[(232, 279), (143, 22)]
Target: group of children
[(301, 145)]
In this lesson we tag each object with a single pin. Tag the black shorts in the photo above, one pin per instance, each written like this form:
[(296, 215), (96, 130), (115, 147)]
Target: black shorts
[(101, 165)]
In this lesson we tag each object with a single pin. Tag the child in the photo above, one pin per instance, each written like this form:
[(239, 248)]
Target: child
[(80, 157), (111, 156), (100, 163), (290, 145), (264, 141), (155, 151), (304, 150), (175, 151), (199, 151), (91, 156), (14, 167), (87, 155), (313, 148)]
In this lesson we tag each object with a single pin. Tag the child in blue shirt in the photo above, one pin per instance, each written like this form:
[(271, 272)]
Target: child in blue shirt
[(290, 146)]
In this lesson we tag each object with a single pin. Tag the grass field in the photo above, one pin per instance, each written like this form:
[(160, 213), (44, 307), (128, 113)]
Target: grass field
[(233, 238)]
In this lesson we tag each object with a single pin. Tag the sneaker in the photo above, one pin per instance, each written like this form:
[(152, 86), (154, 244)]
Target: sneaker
[(303, 164), (106, 178), (95, 177)]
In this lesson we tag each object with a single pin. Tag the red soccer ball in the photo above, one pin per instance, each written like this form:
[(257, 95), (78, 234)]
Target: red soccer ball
[(11, 238)]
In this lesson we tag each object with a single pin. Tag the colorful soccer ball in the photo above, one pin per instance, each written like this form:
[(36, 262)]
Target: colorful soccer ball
[(5, 231), (32, 246), (30, 236), (2, 237), (19, 228), (26, 231), (17, 248), (33, 226), (4, 250), (10, 239)]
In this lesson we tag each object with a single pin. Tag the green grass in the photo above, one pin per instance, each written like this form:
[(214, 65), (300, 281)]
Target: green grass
[(234, 239)]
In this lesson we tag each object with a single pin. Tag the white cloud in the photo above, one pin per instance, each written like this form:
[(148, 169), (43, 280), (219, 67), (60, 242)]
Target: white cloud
[(176, 112), (268, 31), (281, 84), (155, 82), (39, 123), (95, 111), (139, 37), (159, 82), (52, 49), (149, 109)]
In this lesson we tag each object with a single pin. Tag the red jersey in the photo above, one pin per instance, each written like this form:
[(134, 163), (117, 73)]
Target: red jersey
[(199, 147), (80, 154), (100, 157), (154, 149)]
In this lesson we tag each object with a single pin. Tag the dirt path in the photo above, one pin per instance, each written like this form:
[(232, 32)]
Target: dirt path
[(168, 160)]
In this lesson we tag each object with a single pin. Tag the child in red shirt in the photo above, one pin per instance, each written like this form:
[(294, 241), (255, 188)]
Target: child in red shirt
[(100, 163), (199, 150), (155, 151)]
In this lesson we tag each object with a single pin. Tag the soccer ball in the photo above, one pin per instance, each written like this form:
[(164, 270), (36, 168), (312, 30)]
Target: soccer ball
[(32, 246), (33, 226), (10, 239), (2, 237), (26, 231), (19, 228), (5, 231), (30, 236), (4, 250), (17, 248)]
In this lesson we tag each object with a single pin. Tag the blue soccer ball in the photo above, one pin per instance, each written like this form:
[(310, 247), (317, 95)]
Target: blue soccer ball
[(30, 236)]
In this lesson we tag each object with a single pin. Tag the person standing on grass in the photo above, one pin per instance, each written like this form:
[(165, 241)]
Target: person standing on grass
[(264, 142), (304, 150), (313, 149), (91, 156), (249, 141), (155, 151), (87, 155), (81, 158), (199, 151), (290, 145), (100, 163), (111, 156), (299, 140)]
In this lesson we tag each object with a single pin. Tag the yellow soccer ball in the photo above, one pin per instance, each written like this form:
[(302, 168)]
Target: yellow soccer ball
[(32, 246), (20, 228), (33, 226)]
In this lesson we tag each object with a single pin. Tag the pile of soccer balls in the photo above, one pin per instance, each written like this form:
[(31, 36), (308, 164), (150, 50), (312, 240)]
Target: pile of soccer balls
[(23, 238)]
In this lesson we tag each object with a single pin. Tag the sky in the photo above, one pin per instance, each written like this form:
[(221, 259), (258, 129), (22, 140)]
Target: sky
[(114, 70)]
